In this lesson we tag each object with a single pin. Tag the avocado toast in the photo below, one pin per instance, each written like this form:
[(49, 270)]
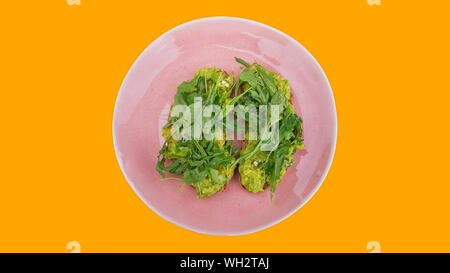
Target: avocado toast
[(259, 168), (206, 165)]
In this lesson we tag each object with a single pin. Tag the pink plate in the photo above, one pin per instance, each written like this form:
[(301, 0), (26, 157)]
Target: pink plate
[(147, 94)]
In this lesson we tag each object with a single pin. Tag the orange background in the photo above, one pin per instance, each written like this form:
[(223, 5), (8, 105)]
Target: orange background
[(61, 69)]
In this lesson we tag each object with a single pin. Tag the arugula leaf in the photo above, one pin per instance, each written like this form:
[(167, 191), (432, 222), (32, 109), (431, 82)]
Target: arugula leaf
[(239, 60), (217, 177)]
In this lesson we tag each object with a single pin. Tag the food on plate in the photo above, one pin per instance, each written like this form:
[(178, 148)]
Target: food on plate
[(258, 168), (203, 164), (207, 164)]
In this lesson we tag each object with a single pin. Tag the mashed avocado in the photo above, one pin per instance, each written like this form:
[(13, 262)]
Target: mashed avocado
[(208, 187), (252, 173)]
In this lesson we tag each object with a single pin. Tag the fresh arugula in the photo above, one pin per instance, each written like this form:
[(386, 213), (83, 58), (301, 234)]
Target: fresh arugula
[(197, 160), (258, 86), (213, 161)]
